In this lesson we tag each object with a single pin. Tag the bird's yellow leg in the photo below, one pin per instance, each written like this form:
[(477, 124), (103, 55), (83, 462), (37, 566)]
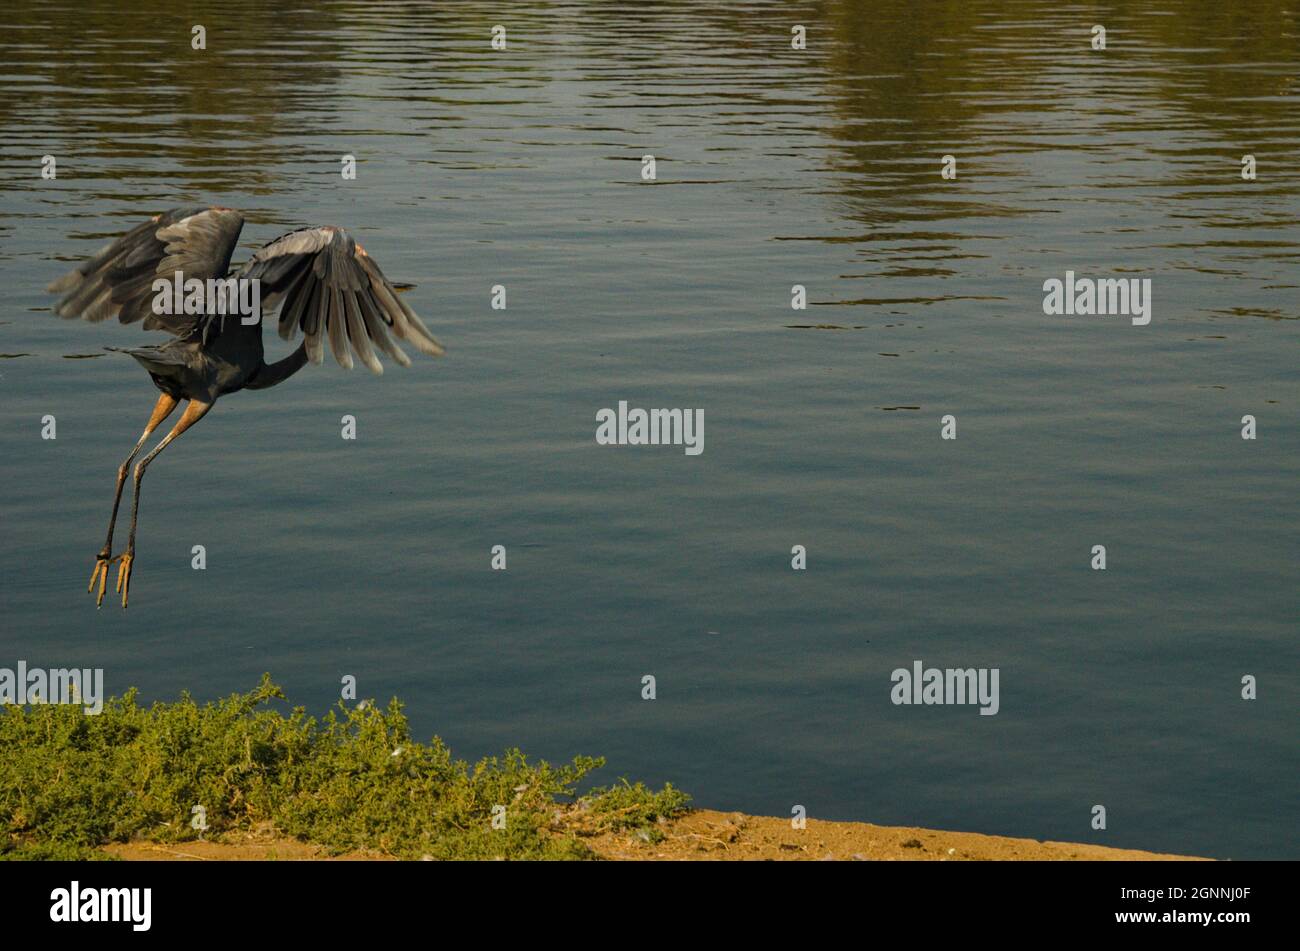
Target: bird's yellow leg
[(162, 409), (194, 412)]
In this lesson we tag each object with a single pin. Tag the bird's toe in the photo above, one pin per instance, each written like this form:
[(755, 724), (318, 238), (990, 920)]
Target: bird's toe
[(124, 575), (99, 575)]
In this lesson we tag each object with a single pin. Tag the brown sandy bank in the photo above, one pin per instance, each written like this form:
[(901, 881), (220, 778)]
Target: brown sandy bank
[(703, 834)]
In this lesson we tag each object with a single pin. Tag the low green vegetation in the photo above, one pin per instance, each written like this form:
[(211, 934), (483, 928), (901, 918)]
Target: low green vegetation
[(352, 780)]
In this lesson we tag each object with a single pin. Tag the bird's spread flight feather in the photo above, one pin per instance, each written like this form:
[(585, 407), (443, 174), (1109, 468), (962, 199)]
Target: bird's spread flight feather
[(118, 282), (319, 279), (327, 286)]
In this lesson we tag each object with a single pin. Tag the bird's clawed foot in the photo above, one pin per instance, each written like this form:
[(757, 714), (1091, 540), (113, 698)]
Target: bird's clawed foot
[(124, 574), (100, 575)]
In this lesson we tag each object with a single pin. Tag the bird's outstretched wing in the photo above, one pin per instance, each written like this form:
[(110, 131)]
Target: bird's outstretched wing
[(328, 286), (118, 281)]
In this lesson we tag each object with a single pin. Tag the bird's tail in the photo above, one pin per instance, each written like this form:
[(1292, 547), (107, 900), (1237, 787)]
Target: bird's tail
[(154, 359)]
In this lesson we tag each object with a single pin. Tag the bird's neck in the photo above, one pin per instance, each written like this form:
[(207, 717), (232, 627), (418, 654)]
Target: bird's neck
[(269, 374)]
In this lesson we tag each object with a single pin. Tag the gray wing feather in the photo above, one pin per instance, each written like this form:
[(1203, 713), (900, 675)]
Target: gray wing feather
[(118, 281), (375, 324), (338, 329), (358, 334), (327, 286)]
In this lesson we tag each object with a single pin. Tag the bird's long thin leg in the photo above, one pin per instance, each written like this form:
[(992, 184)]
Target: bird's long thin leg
[(194, 412), (162, 409)]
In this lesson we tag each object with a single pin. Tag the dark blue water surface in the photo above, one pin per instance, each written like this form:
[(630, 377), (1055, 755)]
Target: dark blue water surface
[(775, 167)]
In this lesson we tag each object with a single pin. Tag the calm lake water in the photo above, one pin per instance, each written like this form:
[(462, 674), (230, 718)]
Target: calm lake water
[(775, 167)]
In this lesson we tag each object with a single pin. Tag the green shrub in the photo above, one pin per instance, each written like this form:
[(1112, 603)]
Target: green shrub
[(634, 808), (353, 780)]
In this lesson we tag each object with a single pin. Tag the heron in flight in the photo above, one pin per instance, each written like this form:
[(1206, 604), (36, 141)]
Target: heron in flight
[(321, 280)]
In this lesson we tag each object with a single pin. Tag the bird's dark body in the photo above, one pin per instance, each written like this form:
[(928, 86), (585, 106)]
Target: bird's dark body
[(198, 369), (319, 280)]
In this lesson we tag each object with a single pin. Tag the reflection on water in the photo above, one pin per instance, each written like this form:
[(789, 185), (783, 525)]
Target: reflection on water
[(776, 167)]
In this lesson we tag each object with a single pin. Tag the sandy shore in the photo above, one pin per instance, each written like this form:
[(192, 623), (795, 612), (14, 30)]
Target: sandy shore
[(705, 835)]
